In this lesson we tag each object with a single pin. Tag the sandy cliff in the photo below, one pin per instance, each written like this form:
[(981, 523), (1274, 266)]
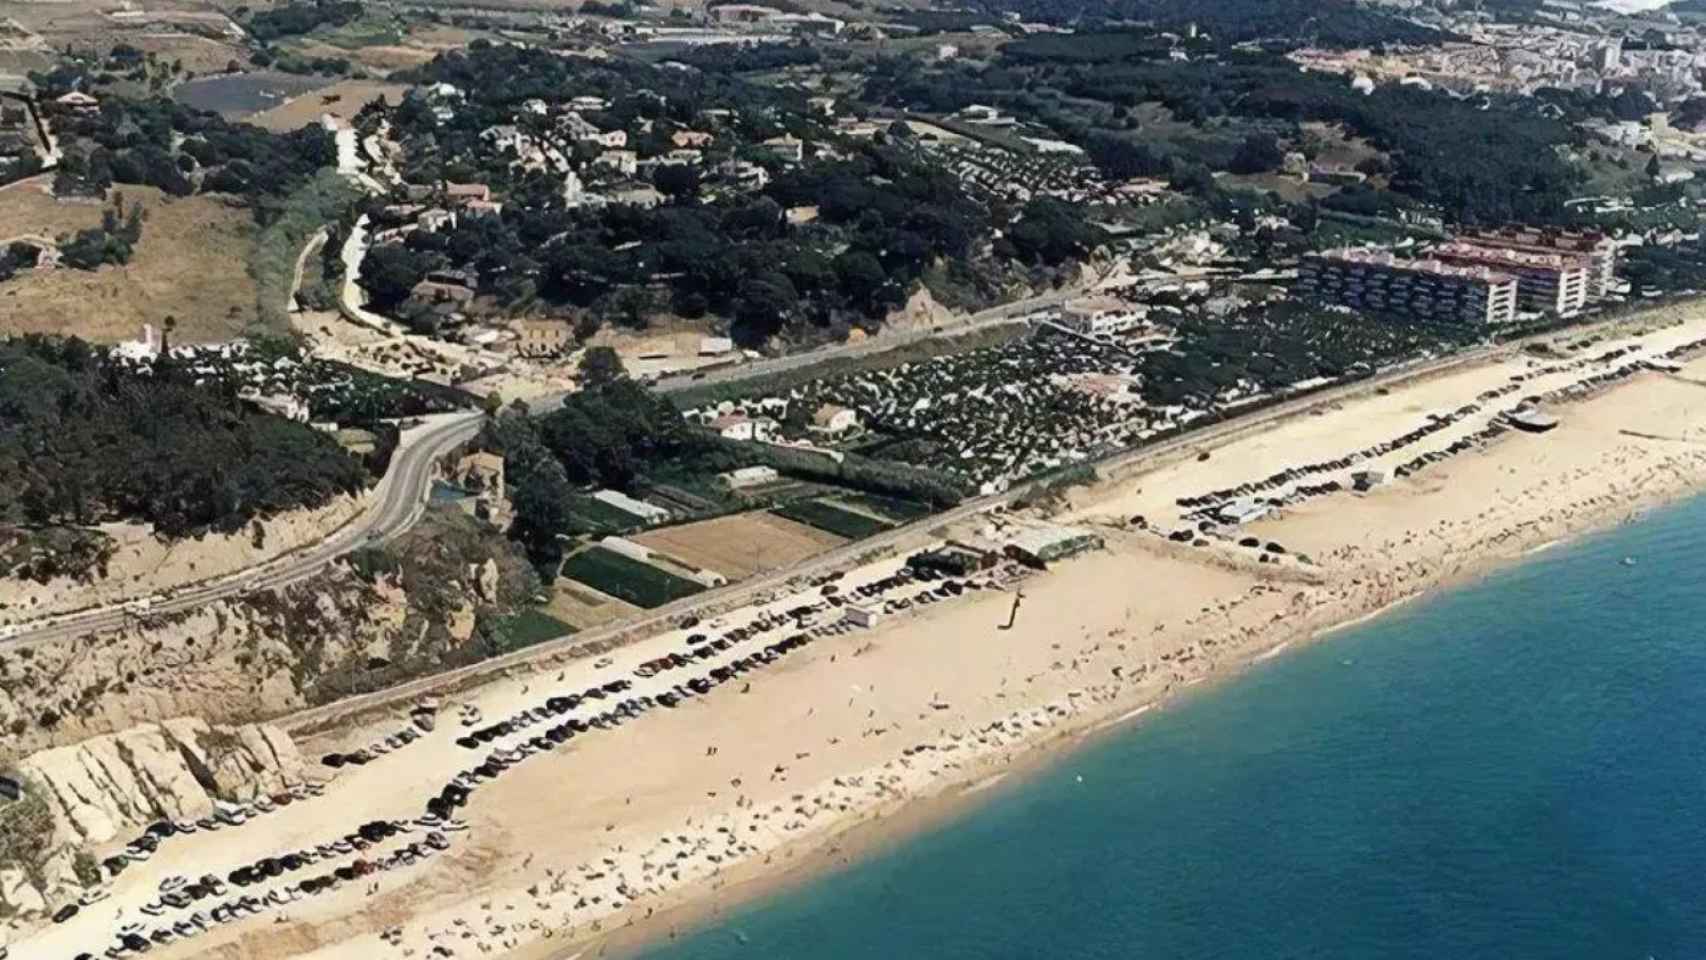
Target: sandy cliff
[(424, 604), (110, 787), (142, 565)]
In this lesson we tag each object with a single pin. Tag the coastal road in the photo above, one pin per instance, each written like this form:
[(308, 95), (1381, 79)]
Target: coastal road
[(762, 585), (396, 502)]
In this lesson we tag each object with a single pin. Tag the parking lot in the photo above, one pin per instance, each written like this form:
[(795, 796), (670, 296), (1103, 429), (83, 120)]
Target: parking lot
[(393, 801)]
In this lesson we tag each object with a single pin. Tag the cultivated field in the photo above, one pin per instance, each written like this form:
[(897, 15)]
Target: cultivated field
[(191, 264), (351, 96), (741, 545), (833, 517), (638, 583)]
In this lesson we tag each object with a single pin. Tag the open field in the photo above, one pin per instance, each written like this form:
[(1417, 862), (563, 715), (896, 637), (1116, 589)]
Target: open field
[(351, 96), (86, 25), (741, 545), (638, 583), (200, 55), (830, 517), (191, 264), (382, 58), (583, 608)]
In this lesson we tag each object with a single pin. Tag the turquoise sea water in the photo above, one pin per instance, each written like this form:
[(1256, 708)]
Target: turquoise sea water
[(1513, 769)]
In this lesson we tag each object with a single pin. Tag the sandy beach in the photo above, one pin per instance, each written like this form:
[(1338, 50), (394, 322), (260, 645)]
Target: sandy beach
[(861, 738)]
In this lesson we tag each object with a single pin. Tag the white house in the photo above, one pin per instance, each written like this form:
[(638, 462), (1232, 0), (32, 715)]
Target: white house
[(1100, 315), (746, 477), (788, 148), (833, 419), (737, 427), (624, 162)]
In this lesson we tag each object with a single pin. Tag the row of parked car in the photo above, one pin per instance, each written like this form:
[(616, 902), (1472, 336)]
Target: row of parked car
[(439, 817), (182, 893), (372, 751), (455, 794), (225, 815), (553, 706)]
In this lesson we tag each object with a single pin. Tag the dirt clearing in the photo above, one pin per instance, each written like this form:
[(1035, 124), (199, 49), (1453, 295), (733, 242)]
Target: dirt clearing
[(191, 264), (342, 100), (741, 545)]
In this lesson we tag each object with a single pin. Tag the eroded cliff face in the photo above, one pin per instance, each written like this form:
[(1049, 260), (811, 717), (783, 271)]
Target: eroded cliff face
[(159, 719), (428, 602), (109, 788), (228, 662)]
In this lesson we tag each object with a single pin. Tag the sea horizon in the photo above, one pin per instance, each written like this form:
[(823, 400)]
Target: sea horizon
[(1466, 773)]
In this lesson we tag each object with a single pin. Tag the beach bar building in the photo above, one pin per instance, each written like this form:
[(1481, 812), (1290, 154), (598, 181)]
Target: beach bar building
[(1041, 545)]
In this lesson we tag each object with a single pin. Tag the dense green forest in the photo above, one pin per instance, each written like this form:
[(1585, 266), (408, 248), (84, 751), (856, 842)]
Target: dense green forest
[(603, 436), (160, 143), (886, 212), (296, 18), (1327, 23), (1486, 159), (83, 442)]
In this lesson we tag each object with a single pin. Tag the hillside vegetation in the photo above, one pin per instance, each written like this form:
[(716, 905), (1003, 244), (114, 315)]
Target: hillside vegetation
[(83, 441)]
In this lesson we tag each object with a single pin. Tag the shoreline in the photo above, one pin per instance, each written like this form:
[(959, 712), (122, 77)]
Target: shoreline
[(865, 741), (705, 904)]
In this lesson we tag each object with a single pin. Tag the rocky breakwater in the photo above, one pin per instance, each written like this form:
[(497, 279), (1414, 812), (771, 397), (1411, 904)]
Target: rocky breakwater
[(82, 796)]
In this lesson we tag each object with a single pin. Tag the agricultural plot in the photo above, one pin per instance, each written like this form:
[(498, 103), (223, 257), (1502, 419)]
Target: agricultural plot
[(638, 583), (531, 627), (603, 516), (741, 545), (891, 508), (837, 520), (584, 608)]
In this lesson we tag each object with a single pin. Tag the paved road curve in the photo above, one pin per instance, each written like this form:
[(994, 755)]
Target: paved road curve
[(397, 501)]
